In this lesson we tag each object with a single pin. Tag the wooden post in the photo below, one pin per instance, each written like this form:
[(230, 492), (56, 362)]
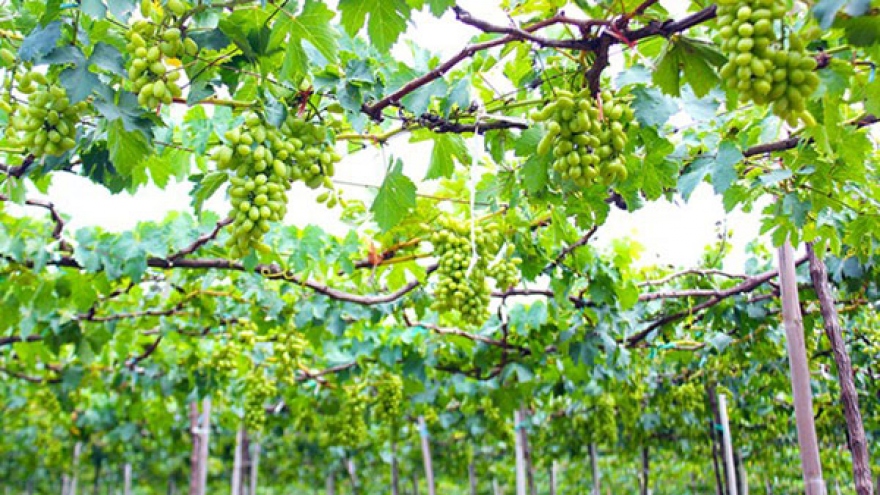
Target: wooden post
[(126, 479), (330, 483), (718, 450), (205, 445), (800, 373), (519, 454), (352, 474), (527, 452), (415, 482), (71, 481), (255, 466), (237, 461), (194, 468), (727, 444), (594, 468), (645, 478), (426, 456), (395, 472), (849, 397), (472, 477), (743, 474), (496, 487), (552, 476)]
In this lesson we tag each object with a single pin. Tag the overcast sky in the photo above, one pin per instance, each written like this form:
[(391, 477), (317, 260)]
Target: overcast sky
[(671, 233)]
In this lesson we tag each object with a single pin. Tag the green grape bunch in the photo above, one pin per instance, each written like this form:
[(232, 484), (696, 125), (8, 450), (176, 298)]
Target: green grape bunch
[(258, 389), (156, 47), (264, 160), (347, 427), (389, 399), (587, 136), (224, 359), (308, 152), (46, 124), (288, 349), (759, 66), (461, 272), (505, 272)]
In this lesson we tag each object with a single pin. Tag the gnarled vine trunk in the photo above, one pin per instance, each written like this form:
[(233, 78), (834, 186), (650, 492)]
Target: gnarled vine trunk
[(849, 397)]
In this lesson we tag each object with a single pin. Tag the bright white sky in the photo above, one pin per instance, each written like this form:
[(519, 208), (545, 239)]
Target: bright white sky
[(671, 233)]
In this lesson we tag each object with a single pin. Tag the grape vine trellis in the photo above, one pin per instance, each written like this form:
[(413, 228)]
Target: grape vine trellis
[(217, 349)]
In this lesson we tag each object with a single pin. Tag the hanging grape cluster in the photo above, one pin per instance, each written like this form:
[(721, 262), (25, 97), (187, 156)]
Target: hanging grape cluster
[(264, 160), (505, 272), (288, 349), (760, 67), (461, 272), (599, 421), (587, 136), (156, 48), (309, 152), (258, 389), (224, 360), (46, 125), (348, 427), (389, 399)]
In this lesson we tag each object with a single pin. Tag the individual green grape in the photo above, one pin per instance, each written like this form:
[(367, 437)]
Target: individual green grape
[(586, 136), (258, 390), (763, 66), (46, 125), (388, 407), (461, 284)]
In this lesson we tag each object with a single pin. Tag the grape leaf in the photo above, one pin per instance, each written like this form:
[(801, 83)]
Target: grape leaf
[(312, 25), (128, 150), (204, 187), (446, 147), (40, 42), (396, 198), (387, 21)]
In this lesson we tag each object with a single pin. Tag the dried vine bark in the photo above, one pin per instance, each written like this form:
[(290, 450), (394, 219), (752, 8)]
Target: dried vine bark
[(849, 397)]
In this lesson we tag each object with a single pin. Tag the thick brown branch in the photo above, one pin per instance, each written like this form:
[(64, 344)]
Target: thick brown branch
[(269, 271), (50, 207), (144, 355), (794, 142), (512, 31), (374, 110), (747, 285), (583, 241), (29, 378), (18, 171), (692, 271), (16, 339), (201, 241)]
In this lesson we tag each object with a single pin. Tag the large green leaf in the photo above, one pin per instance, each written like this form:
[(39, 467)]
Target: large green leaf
[(387, 19), (312, 26), (396, 198)]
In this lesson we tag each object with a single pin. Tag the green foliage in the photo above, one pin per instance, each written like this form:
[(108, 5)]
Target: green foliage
[(478, 281)]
